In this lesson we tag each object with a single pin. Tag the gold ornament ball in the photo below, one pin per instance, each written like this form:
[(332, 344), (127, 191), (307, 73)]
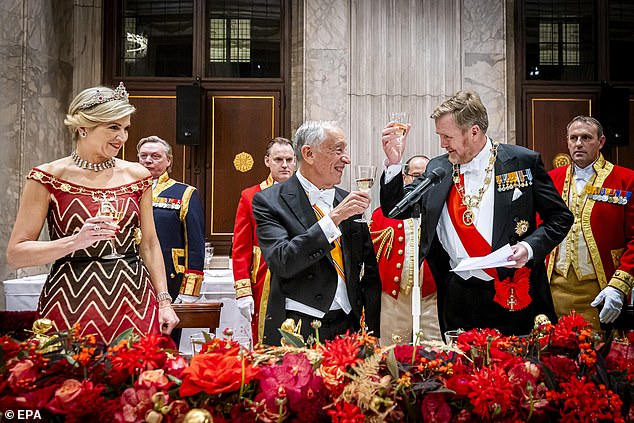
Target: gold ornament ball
[(198, 415)]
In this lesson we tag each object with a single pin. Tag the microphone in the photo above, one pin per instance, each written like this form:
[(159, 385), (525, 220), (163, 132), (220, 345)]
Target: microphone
[(414, 195)]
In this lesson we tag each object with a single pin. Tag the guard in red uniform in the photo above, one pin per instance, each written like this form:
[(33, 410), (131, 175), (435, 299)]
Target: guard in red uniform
[(393, 242), (591, 271), (250, 273)]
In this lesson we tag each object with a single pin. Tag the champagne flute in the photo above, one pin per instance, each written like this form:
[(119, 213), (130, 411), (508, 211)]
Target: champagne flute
[(364, 177), (402, 120), (112, 207)]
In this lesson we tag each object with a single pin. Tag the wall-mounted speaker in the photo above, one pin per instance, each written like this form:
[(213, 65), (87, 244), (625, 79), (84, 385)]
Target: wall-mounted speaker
[(614, 116), (188, 114)]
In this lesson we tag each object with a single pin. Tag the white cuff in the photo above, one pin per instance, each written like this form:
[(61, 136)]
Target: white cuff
[(529, 248), (329, 228), (391, 171)]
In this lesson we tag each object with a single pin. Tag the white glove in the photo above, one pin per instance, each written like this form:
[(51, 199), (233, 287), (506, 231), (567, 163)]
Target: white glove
[(246, 305), (612, 300), (186, 299)]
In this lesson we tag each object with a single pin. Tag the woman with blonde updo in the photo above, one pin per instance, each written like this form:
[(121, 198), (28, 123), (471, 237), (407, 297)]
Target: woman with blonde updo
[(107, 272)]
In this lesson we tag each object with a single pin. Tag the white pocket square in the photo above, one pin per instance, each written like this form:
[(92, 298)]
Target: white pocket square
[(516, 194)]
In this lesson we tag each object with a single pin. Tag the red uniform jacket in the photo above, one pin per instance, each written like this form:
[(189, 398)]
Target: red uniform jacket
[(388, 239), (607, 222), (250, 273)]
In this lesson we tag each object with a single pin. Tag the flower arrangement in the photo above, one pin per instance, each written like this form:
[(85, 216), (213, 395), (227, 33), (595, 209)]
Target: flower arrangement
[(558, 373)]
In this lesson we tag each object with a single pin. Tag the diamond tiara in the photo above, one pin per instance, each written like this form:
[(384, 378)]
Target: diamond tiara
[(119, 93)]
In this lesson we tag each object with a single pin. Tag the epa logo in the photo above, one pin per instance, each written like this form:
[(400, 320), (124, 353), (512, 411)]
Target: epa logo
[(21, 415)]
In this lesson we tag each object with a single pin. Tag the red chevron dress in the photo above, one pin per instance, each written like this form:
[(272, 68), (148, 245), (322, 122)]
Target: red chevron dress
[(105, 297)]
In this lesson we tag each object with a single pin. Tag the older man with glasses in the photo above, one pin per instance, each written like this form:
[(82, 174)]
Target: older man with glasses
[(393, 241)]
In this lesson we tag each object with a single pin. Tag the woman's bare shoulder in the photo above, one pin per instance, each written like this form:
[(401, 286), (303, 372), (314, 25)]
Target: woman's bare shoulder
[(135, 170), (57, 168)]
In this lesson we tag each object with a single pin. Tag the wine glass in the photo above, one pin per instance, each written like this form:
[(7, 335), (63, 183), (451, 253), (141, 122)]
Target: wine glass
[(209, 253), (112, 207), (402, 120), (364, 177), (451, 336)]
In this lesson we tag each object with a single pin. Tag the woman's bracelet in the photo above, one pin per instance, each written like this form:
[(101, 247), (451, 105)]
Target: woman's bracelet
[(163, 296)]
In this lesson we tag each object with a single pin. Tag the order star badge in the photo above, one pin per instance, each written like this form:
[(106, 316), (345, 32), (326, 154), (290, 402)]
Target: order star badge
[(521, 227)]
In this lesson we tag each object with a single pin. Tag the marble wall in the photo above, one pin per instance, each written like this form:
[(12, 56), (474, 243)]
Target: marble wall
[(365, 58), (35, 82), (44, 60)]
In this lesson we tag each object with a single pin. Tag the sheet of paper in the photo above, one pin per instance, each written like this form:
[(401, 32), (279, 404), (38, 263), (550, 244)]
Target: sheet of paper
[(498, 258)]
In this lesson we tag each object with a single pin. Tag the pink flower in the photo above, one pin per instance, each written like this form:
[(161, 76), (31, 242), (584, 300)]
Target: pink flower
[(65, 394), (155, 378), (293, 381), (23, 375), (135, 404)]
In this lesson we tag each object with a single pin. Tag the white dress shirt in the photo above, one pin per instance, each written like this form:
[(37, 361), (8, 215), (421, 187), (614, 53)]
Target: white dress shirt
[(474, 174), (332, 232)]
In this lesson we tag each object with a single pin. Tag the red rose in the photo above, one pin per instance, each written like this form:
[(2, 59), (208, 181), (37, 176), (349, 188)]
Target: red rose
[(215, 373), (64, 396), (175, 365), (35, 400), (75, 397), (459, 383)]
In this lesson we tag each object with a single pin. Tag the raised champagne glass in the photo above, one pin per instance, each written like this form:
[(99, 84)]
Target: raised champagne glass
[(112, 207), (402, 121), (364, 177)]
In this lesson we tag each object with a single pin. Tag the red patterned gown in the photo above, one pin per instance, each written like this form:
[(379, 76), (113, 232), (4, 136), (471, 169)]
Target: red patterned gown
[(104, 296)]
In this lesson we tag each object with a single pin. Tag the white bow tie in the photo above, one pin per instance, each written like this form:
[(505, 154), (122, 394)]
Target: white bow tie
[(326, 196)]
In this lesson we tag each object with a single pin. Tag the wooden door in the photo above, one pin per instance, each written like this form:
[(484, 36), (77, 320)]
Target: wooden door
[(548, 115), (241, 125), (156, 115)]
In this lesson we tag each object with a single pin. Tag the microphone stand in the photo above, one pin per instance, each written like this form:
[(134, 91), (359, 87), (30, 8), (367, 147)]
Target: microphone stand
[(417, 268)]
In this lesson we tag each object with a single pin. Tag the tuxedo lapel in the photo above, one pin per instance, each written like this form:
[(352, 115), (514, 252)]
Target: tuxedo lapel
[(295, 198), (502, 200)]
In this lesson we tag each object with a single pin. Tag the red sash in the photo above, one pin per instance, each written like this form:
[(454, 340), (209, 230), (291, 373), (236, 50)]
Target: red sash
[(510, 294)]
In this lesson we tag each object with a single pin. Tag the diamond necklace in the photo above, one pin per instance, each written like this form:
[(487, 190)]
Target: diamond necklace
[(97, 167), (473, 201)]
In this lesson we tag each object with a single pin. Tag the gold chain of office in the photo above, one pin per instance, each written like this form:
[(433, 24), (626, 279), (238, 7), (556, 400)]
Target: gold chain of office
[(473, 201)]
